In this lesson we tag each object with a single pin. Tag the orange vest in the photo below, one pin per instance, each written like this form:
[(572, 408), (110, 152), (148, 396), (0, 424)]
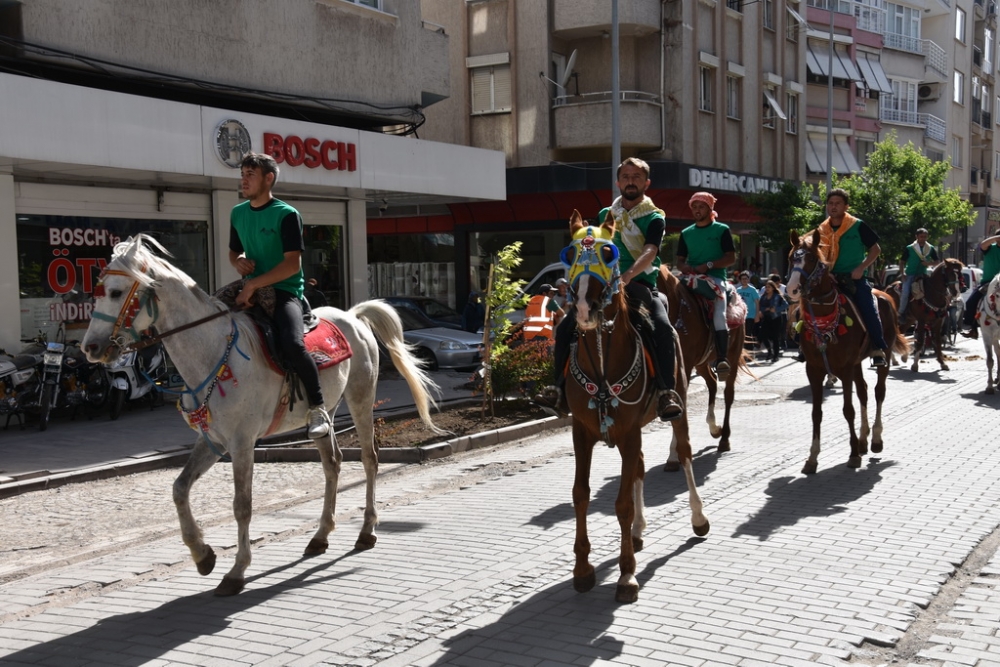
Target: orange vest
[(537, 318)]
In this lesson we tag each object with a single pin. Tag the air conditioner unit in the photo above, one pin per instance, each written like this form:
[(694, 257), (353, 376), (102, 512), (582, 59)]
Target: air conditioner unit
[(928, 91)]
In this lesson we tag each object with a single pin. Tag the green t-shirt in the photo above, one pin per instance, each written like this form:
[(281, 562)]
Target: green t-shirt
[(852, 250), (625, 258), (705, 244), (991, 263), (914, 260), (260, 234)]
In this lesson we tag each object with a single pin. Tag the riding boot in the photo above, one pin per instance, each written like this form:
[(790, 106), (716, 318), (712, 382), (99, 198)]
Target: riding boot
[(973, 332), (668, 405), (721, 353), (552, 399)]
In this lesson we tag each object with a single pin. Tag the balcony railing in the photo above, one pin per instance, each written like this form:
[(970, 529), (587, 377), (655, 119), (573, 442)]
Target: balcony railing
[(604, 97), (934, 127), (934, 56)]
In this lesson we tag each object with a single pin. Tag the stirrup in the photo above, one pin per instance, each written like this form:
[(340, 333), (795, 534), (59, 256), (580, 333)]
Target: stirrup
[(552, 400), (722, 369), (878, 358), (669, 405)]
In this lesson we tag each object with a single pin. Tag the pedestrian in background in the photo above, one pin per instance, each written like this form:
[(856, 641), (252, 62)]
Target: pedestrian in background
[(770, 323), (474, 313), (752, 298)]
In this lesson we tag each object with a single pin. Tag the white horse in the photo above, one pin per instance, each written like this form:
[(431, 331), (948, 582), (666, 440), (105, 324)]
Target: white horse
[(237, 397), (989, 327)]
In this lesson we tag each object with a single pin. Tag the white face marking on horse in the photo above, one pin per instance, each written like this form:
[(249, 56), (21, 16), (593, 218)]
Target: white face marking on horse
[(582, 307), (792, 287)]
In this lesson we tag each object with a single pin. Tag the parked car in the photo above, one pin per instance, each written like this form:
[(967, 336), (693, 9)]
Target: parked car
[(440, 314), (972, 276), (439, 346)]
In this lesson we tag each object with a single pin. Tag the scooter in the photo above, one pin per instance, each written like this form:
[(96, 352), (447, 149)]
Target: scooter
[(18, 378), (134, 375)]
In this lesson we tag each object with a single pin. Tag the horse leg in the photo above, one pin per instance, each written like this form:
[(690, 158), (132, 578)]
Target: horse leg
[(331, 456), (729, 395), (234, 581), (202, 458), (854, 461), (699, 522), (880, 385), (583, 448), (713, 389), (369, 460), (639, 503), (630, 449), (672, 461), (816, 376), (862, 389), (918, 347), (938, 335)]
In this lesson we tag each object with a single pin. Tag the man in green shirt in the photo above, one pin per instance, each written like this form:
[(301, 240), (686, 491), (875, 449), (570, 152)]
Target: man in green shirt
[(917, 257), (639, 228), (991, 266), (265, 247)]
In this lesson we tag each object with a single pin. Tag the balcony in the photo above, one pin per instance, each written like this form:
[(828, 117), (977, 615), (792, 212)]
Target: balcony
[(934, 127), (584, 121), (934, 56), (575, 19)]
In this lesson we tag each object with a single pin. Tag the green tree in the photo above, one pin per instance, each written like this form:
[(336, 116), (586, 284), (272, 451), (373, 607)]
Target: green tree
[(791, 207), (503, 296)]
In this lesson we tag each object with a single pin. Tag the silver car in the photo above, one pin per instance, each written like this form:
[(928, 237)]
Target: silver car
[(438, 346)]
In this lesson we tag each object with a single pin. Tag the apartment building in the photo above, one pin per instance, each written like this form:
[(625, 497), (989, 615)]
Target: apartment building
[(122, 117)]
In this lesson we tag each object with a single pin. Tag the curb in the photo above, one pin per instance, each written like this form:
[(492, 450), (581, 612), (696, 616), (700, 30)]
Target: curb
[(41, 480)]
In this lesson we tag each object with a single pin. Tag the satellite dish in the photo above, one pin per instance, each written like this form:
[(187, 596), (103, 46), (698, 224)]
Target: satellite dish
[(568, 71)]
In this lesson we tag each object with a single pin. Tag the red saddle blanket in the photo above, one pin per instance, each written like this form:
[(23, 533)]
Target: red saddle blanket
[(326, 343)]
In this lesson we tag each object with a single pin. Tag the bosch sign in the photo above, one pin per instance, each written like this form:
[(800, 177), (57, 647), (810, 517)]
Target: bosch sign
[(313, 153)]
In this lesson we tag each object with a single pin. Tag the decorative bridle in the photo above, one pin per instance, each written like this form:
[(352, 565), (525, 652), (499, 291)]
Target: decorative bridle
[(593, 253), (823, 329), (951, 280)]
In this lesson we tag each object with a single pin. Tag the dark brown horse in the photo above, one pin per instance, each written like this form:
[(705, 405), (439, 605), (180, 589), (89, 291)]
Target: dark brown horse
[(694, 330), (929, 311), (611, 394), (834, 341)]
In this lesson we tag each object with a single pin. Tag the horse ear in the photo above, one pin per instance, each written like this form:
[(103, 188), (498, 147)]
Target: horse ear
[(609, 222), (815, 238), (575, 221), (793, 238)]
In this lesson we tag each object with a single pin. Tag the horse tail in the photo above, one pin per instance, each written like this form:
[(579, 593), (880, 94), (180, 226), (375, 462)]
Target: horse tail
[(385, 324), (900, 345)]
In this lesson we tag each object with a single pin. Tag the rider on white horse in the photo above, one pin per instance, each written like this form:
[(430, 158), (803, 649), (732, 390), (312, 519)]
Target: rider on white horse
[(265, 246), (991, 266)]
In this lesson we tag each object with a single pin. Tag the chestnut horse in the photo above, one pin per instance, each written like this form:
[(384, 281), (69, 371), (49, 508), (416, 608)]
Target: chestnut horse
[(834, 341), (610, 392), (929, 312), (694, 330)]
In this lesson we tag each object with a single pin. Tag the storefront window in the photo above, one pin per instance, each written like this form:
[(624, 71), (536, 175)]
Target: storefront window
[(60, 258), (411, 265), (323, 261)]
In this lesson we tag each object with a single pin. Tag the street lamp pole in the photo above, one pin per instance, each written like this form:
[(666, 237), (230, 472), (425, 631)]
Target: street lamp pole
[(829, 109), (616, 142)]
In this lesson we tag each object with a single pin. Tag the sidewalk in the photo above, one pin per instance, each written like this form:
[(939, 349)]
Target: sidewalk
[(144, 435)]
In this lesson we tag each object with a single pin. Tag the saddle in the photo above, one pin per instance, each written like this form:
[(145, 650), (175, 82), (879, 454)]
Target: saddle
[(702, 293)]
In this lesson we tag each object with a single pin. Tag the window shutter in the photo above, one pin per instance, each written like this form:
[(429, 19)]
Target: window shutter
[(501, 88), (481, 90)]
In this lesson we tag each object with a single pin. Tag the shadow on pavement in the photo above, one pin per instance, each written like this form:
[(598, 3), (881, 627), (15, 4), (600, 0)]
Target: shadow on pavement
[(792, 499)]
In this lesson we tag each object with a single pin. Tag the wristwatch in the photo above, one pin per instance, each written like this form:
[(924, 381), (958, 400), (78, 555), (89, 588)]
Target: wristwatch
[(709, 264)]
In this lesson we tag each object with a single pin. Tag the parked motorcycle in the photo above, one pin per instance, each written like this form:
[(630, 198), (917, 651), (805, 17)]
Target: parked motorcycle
[(19, 379), (67, 380), (135, 375)]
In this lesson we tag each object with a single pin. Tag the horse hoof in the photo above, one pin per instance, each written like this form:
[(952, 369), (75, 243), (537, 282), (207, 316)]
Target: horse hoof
[(206, 564), (724, 447), (809, 468), (702, 530), (585, 583), (854, 462), (674, 466), (944, 367), (229, 586), (627, 593), (636, 544), (876, 447), (365, 542), (316, 547), (990, 391)]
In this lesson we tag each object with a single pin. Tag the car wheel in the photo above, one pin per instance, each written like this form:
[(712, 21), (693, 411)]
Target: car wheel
[(426, 356)]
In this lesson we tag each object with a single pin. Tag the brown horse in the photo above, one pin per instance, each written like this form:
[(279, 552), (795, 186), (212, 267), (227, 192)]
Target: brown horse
[(694, 330), (834, 341), (928, 312), (610, 391)]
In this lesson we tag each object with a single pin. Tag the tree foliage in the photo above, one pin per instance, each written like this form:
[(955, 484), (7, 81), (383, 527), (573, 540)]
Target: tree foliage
[(899, 191), (503, 296)]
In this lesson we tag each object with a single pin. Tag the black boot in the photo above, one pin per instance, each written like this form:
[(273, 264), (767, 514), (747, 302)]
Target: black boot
[(972, 333), (721, 352)]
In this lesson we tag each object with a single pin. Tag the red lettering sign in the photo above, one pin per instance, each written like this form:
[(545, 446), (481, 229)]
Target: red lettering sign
[(294, 151)]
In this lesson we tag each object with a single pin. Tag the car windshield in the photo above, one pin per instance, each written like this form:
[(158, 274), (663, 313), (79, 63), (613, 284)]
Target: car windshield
[(437, 309), (412, 321)]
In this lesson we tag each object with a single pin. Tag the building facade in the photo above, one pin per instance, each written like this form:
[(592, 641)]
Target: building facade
[(123, 117)]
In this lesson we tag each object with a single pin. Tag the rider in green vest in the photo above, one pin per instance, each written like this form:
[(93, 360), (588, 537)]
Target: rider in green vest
[(991, 267), (917, 257)]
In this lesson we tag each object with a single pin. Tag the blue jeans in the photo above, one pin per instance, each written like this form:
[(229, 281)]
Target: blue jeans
[(904, 297), (869, 312)]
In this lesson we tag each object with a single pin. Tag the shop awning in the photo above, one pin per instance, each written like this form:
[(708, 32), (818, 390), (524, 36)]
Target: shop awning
[(843, 160), (818, 63), (874, 75)]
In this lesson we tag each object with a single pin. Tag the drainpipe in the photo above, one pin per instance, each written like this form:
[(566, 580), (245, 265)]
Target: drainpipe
[(512, 45), (663, 84)]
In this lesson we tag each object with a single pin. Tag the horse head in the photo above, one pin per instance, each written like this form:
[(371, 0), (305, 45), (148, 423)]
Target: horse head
[(951, 275), (592, 260), (124, 299), (808, 265)]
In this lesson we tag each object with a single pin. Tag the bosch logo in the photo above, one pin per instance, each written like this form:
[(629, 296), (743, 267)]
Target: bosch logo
[(232, 142)]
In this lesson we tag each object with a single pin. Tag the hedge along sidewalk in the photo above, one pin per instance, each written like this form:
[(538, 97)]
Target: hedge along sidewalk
[(302, 453)]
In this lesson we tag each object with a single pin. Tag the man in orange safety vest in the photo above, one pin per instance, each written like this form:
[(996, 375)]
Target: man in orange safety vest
[(541, 314)]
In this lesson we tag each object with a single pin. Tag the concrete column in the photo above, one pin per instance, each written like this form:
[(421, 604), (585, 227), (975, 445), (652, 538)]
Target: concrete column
[(356, 251), (223, 202), (10, 325)]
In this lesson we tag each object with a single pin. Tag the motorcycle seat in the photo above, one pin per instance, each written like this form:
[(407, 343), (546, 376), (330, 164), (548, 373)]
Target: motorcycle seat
[(23, 361)]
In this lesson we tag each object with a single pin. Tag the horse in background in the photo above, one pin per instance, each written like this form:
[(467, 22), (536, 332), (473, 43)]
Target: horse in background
[(834, 341), (687, 312), (928, 309), (610, 391), (238, 397), (988, 315)]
